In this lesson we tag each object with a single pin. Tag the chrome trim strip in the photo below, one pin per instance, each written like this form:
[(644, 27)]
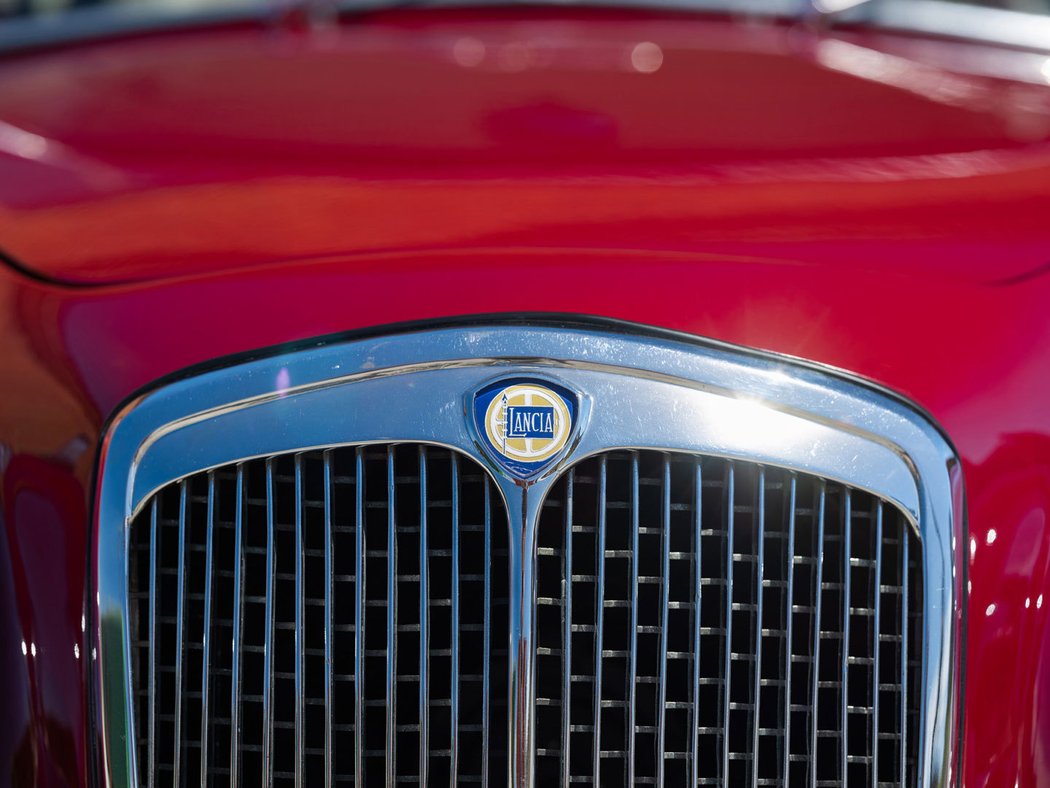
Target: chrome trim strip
[(454, 660), (727, 672), (268, 666), (566, 679), (847, 550), (905, 625), (877, 645), (963, 21), (789, 628), (180, 643), (359, 615), (760, 568), (487, 637), (236, 646), (424, 624), (665, 604), (391, 621), (152, 743), (699, 418), (300, 643), (521, 662), (815, 676), (329, 574), (700, 398), (206, 641), (599, 625), (632, 670), (698, 590)]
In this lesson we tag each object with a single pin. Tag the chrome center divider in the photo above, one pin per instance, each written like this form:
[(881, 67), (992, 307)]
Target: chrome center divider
[(638, 391)]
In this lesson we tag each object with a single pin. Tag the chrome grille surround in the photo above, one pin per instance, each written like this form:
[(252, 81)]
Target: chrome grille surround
[(642, 390)]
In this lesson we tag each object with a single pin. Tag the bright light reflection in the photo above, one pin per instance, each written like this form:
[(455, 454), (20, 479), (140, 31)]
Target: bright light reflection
[(990, 609), (973, 547), (898, 72), (990, 538), (20, 143), (468, 52), (753, 425), (283, 380), (647, 57), (32, 649), (1039, 601), (835, 6), (1027, 602), (76, 651), (1045, 70), (25, 649)]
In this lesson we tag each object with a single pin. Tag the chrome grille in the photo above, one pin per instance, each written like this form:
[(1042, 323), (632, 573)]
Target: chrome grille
[(827, 655), (708, 622), (261, 591)]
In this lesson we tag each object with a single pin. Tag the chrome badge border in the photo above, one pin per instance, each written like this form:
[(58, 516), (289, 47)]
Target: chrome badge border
[(700, 397)]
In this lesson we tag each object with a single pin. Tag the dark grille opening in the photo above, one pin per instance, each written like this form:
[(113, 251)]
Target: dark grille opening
[(256, 572), (723, 623)]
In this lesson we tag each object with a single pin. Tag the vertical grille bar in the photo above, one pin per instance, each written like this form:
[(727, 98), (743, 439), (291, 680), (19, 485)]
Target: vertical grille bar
[(238, 620), (487, 639), (632, 671), (727, 669), (454, 699), (665, 604), (268, 666), (876, 630), (424, 623), (760, 565), (180, 618), (599, 614), (359, 616), (391, 622), (698, 588), (815, 675), (153, 596), (329, 582), (844, 667), (299, 640), (566, 679), (206, 650), (789, 627), (904, 656)]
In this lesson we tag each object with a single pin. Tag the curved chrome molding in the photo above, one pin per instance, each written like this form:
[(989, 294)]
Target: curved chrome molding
[(644, 392)]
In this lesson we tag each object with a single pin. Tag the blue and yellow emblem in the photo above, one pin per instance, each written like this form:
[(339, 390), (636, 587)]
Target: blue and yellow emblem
[(525, 423)]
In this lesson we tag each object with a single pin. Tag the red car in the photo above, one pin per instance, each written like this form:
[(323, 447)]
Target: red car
[(520, 395)]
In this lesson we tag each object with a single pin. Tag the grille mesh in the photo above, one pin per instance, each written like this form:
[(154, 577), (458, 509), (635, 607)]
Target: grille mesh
[(691, 620), (270, 553), (736, 647)]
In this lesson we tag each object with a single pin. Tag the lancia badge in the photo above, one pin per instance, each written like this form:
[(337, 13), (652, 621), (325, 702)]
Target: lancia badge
[(525, 423)]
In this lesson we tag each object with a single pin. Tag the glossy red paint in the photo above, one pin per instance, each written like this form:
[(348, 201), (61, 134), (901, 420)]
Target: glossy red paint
[(876, 203), (179, 155)]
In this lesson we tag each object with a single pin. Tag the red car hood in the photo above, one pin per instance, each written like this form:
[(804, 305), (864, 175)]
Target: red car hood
[(483, 132)]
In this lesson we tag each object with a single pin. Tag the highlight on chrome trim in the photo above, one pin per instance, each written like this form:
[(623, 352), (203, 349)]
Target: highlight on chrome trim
[(665, 394)]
